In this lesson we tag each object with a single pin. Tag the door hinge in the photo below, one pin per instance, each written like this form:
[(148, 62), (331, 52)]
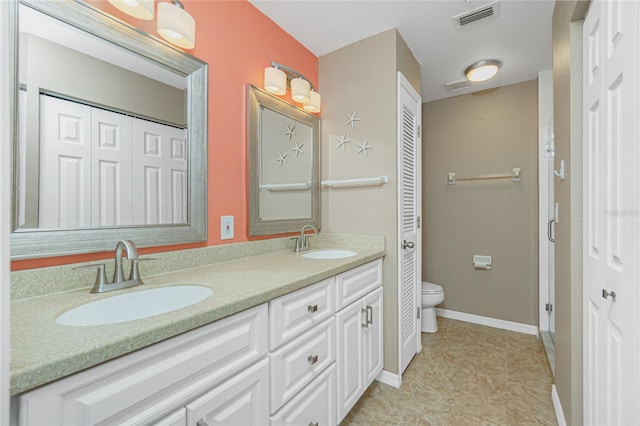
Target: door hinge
[(418, 312), (418, 222), (548, 307), (419, 131)]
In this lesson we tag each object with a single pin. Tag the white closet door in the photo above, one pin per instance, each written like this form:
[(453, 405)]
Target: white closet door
[(160, 173), (611, 231), (111, 198), (65, 164), (409, 211)]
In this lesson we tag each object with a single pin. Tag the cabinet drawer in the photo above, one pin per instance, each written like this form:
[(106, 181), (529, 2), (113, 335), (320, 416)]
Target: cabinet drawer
[(294, 313), (294, 365), (149, 383), (315, 405), (353, 284), (241, 400)]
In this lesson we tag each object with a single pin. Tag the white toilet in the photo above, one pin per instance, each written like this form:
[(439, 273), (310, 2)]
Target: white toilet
[(432, 295)]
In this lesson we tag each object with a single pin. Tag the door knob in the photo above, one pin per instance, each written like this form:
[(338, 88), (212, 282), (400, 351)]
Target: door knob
[(606, 294), (407, 244)]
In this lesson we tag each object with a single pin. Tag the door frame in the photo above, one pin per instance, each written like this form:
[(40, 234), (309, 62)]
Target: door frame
[(545, 115)]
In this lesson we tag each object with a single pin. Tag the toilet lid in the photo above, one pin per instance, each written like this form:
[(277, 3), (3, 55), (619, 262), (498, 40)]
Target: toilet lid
[(431, 288)]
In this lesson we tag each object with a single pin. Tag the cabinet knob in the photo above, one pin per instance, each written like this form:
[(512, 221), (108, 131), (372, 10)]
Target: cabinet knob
[(312, 359), (365, 323), (369, 314), (312, 308), (313, 423), (201, 422)]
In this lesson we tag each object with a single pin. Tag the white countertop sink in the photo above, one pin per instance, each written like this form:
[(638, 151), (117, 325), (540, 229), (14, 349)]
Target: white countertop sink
[(134, 305), (329, 254)]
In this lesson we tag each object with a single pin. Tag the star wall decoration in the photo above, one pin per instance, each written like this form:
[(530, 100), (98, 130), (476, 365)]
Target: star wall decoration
[(290, 130), (352, 119), (364, 147), (283, 158), (342, 140), (298, 148)]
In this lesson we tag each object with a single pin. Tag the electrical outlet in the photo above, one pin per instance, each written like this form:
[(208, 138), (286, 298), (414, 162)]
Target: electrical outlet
[(226, 227)]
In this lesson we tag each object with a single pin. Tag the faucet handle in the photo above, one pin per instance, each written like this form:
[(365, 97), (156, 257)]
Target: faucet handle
[(134, 274), (298, 245), (101, 276)]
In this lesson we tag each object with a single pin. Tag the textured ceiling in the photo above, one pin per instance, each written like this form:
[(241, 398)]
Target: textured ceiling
[(520, 36)]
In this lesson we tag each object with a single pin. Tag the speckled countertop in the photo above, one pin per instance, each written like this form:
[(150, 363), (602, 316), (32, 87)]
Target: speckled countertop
[(43, 351)]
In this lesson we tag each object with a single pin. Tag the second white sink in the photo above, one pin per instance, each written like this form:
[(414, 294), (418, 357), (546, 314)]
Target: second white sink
[(329, 254), (135, 305)]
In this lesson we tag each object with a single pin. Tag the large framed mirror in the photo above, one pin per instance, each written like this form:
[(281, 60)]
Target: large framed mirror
[(110, 134), (284, 165)]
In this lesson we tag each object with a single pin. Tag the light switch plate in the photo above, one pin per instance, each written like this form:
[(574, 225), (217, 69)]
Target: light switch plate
[(226, 227)]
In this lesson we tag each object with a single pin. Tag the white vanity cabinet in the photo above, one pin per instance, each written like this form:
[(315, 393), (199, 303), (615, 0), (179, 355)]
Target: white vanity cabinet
[(359, 333), (160, 380), (302, 357)]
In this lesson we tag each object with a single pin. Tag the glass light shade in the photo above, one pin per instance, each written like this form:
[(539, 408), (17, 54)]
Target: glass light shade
[(176, 26), (482, 70), (314, 102), (141, 9), (300, 89), (275, 81)]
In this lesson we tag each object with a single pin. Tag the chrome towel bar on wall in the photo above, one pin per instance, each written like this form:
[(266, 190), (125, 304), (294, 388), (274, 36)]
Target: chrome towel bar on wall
[(516, 176)]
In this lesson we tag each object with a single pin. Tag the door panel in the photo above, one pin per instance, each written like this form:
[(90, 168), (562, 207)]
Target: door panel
[(409, 211)]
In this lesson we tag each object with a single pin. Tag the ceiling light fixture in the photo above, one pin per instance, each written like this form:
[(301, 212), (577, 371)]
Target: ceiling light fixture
[(482, 70), (278, 77), (175, 25), (141, 9)]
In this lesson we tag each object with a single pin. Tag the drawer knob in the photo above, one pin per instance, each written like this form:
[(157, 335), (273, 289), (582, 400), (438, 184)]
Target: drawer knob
[(313, 423), (312, 308), (312, 359), (201, 422)]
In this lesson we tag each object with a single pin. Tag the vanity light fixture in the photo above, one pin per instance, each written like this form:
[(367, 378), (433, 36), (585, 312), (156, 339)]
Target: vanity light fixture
[(175, 25), (276, 79), (482, 70), (141, 9)]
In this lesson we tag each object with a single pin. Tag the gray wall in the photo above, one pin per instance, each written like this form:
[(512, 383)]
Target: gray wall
[(567, 107), (483, 133), (362, 77)]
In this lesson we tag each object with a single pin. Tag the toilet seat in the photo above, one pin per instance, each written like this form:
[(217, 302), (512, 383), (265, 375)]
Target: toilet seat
[(431, 288)]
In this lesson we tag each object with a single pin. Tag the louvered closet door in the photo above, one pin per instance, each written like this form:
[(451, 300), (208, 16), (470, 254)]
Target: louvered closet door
[(611, 230), (409, 207)]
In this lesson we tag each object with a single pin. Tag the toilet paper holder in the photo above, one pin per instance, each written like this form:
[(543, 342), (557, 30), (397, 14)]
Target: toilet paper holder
[(482, 262)]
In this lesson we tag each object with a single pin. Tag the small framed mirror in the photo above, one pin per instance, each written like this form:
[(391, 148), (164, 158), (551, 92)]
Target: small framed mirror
[(284, 165)]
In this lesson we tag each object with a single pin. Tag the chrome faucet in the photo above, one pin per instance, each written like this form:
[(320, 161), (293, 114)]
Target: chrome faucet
[(302, 242), (132, 254), (102, 285)]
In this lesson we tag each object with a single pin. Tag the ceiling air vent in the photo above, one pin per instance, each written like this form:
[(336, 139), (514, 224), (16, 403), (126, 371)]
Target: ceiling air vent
[(484, 12), (457, 85)]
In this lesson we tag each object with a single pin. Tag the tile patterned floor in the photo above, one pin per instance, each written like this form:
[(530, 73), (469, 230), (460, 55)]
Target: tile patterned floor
[(466, 374)]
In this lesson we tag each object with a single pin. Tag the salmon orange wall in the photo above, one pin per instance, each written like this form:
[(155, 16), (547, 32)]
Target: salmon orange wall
[(238, 42)]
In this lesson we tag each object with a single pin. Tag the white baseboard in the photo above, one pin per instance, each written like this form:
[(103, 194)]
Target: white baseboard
[(491, 322), (557, 406), (390, 379)]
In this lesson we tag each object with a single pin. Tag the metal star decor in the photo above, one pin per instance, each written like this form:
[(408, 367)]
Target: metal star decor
[(342, 140), (290, 132), (352, 119), (364, 147), (298, 149), (283, 158)]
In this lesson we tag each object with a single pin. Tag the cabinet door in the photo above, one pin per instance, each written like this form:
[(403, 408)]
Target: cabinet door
[(241, 400), (372, 336), (350, 323)]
